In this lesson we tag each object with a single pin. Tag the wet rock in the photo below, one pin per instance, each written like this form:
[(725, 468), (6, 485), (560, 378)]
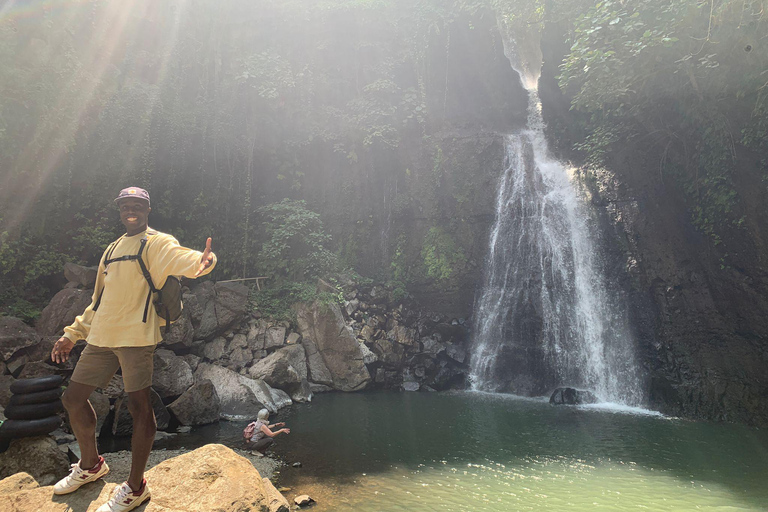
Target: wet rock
[(277, 502), (319, 388), (199, 405), (411, 386), (447, 377), (368, 356), (432, 347), (172, 375), (303, 500), (280, 398), (14, 336), (39, 457), (456, 352), (62, 310), (572, 396), (303, 393)]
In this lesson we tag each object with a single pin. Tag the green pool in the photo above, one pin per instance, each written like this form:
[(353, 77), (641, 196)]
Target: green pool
[(479, 452)]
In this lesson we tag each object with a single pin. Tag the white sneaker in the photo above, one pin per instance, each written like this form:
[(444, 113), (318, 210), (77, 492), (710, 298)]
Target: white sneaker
[(78, 477), (124, 499)]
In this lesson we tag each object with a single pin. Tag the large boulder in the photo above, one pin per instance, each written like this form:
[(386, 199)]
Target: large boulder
[(283, 369), (181, 331), (572, 396), (80, 275), (40, 457), (336, 344), (241, 397), (317, 371), (123, 422), (220, 306), (14, 336), (172, 375), (210, 478), (199, 405), (62, 310), (17, 482)]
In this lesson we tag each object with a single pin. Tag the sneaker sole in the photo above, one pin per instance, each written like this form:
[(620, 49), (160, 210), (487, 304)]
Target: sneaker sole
[(70, 491)]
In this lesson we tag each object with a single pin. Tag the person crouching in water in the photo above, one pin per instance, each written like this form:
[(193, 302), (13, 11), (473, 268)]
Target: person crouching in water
[(259, 434)]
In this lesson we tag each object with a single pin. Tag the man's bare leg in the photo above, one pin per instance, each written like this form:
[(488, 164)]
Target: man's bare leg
[(144, 428), (82, 419)]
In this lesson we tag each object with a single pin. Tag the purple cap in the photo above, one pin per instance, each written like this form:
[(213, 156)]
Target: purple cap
[(135, 192)]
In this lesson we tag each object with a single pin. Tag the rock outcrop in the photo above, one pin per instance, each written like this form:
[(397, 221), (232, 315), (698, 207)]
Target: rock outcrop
[(324, 325), (62, 310), (199, 405), (240, 396), (14, 336), (40, 457), (210, 478)]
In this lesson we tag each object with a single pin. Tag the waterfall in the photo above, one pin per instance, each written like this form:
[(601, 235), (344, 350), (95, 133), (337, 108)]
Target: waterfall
[(545, 317)]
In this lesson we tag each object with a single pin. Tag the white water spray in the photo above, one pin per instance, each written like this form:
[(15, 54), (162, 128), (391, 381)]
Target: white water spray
[(544, 318)]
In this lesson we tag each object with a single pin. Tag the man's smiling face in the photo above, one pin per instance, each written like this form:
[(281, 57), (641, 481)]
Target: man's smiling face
[(134, 214)]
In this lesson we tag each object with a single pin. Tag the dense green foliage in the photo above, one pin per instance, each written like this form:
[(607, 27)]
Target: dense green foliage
[(218, 108), (296, 244), (252, 120), (684, 79)]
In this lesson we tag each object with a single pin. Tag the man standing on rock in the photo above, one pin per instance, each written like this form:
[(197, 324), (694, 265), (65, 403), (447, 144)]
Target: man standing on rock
[(121, 330)]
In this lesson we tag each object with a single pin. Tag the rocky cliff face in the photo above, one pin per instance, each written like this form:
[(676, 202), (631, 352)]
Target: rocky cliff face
[(698, 308)]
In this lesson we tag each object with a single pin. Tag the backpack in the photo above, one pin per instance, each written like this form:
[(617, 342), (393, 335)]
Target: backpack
[(167, 303), (249, 431)]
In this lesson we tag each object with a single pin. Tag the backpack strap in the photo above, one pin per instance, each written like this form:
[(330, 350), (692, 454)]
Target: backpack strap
[(107, 261), (147, 276)]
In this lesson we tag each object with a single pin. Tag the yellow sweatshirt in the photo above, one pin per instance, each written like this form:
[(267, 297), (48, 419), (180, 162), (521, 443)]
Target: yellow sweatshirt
[(117, 322)]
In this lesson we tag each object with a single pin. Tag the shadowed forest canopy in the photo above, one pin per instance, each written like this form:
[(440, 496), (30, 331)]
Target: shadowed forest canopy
[(348, 110)]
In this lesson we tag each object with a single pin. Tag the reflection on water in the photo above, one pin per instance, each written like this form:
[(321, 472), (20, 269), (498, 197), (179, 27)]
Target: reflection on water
[(480, 452)]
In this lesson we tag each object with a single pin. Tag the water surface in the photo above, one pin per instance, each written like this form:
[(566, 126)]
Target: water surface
[(469, 451)]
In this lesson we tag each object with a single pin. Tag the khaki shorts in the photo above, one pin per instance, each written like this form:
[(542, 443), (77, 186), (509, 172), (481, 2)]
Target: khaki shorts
[(97, 365)]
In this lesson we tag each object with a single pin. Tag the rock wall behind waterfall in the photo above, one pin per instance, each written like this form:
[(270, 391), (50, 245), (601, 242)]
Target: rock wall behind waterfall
[(699, 309)]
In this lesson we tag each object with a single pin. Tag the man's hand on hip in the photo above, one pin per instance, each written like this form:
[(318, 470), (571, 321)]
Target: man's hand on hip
[(207, 259), (61, 350)]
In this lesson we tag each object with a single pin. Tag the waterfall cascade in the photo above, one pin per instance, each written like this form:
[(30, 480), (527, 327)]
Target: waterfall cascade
[(545, 317)]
